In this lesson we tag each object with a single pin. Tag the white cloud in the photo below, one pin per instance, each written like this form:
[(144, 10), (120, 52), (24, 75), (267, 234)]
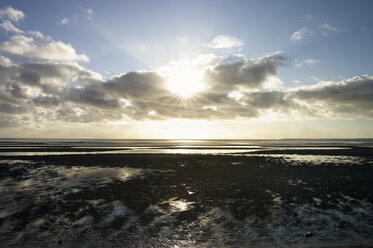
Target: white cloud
[(25, 47), (299, 35), (315, 78), (328, 27), (296, 81), (313, 27), (8, 26), (4, 61), (11, 14), (89, 14), (64, 21), (307, 62), (84, 13), (40, 36), (225, 41)]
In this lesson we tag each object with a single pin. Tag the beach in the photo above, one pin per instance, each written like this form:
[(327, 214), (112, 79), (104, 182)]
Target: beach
[(160, 193)]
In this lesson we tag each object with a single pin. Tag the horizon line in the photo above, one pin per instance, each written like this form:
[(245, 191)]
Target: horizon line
[(7, 138)]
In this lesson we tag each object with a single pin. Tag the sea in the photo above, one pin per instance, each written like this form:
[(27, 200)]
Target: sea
[(186, 193)]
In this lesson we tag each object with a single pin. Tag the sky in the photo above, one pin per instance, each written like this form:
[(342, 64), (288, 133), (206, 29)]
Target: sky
[(186, 69)]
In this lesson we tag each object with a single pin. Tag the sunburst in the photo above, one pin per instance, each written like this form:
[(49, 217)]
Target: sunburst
[(185, 81)]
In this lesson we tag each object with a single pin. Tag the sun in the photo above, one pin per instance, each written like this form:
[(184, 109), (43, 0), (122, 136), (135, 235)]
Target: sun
[(184, 76), (185, 81)]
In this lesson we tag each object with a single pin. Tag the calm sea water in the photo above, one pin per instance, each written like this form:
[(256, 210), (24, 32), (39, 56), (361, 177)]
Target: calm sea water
[(185, 193)]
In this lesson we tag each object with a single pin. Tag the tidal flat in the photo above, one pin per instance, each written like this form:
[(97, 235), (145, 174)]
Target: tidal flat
[(169, 194)]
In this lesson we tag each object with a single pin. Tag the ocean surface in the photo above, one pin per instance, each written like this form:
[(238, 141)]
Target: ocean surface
[(186, 193)]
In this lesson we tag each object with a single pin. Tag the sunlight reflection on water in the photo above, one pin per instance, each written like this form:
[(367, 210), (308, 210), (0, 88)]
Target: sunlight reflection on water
[(135, 151), (179, 205)]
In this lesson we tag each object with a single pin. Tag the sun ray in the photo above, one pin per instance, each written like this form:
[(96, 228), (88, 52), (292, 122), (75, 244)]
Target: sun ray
[(185, 81)]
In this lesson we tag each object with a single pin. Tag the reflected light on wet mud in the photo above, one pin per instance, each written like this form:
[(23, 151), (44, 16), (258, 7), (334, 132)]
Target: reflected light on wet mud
[(179, 205), (195, 198)]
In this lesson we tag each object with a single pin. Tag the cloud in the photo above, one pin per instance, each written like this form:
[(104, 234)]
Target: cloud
[(314, 78), (35, 91), (299, 35), (40, 36), (8, 26), (47, 101), (275, 100), (313, 27), (307, 62), (24, 47), (89, 14), (45, 84), (235, 88), (328, 27), (139, 93), (64, 21), (246, 74), (90, 96), (225, 41), (27, 80), (137, 84), (69, 92), (348, 98), (84, 13), (11, 14), (5, 62), (51, 77), (11, 108)]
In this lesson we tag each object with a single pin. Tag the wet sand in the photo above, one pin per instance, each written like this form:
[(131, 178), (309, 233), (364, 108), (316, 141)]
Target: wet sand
[(268, 198)]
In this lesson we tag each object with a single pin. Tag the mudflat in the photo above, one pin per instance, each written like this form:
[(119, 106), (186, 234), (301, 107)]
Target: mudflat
[(265, 196)]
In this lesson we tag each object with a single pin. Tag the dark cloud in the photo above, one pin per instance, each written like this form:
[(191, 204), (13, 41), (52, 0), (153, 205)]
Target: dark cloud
[(270, 99), (51, 77), (15, 90), (242, 73), (67, 92), (137, 84), (11, 108), (351, 97), (90, 96), (11, 120), (47, 101), (85, 114)]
